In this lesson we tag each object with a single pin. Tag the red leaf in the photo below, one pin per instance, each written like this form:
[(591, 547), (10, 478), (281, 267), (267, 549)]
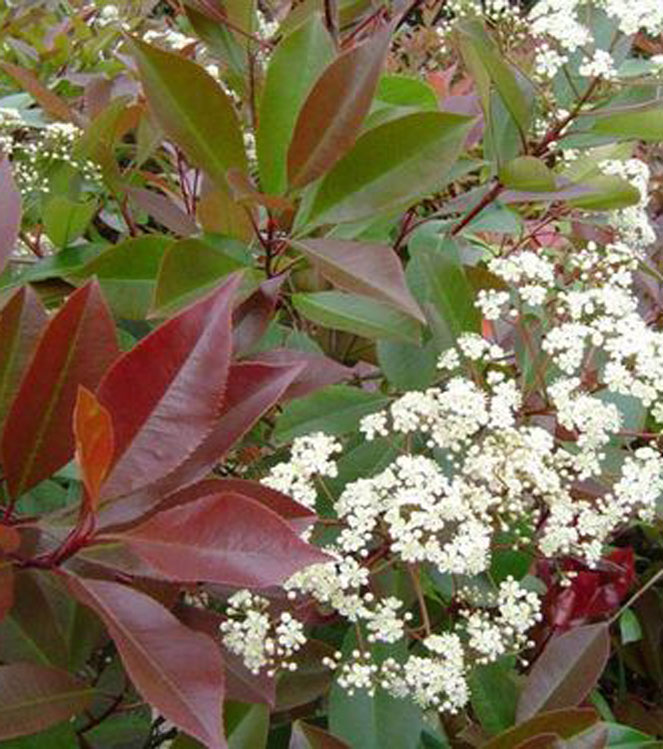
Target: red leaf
[(298, 517), (10, 211), (76, 349), (177, 671), (565, 723), (6, 588), (222, 538), (566, 671), (241, 684), (22, 320), (318, 370), (372, 270), (252, 317), (51, 103), (93, 432), (331, 117), (10, 539), (163, 209), (165, 394), (34, 697), (251, 389), (593, 593)]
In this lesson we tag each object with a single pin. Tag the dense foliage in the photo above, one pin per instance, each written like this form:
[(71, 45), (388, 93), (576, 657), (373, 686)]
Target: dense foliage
[(331, 374)]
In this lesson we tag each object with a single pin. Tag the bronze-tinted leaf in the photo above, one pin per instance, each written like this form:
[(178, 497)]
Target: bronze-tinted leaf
[(22, 321), (566, 671), (165, 394), (332, 114), (226, 538), (34, 697), (10, 211), (76, 348), (179, 672)]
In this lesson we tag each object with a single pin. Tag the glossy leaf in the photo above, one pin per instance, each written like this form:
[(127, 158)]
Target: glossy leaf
[(27, 637), (253, 316), (10, 211), (357, 314), (251, 389), (76, 349), (241, 684), (65, 219), (227, 539), (293, 68), (33, 698), (6, 587), (246, 725), (442, 285), (389, 167), (307, 736), (127, 273), (188, 269), (494, 696), (565, 723), (607, 194), (335, 410), (331, 116), (566, 671), (176, 377), (629, 627), (527, 173), (22, 321), (93, 432), (178, 671), (369, 269), (163, 210), (50, 102), (487, 65), (317, 371), (192, 109), (645, 124)]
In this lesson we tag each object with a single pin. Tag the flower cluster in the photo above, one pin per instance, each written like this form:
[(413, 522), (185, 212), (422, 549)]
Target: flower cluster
[(36, 151), (251, 633), (564, 31)]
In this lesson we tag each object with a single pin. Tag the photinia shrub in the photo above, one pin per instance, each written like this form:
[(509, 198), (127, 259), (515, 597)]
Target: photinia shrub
[(330, 392)]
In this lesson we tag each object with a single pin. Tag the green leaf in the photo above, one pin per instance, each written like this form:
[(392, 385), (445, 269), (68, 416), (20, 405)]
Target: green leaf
[(61, 736), (120, 731), (65, 220), (494, 696), (246, 725), (292, 70), (487, 66), (444, 287), (408, 366), (629, 627), (645, 124), (192, 109), (608, 193), (191, 267), (527, 173), (405, 91), (374, 722), (389, 167), (335, 409), (127, 274), (357, 314)]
